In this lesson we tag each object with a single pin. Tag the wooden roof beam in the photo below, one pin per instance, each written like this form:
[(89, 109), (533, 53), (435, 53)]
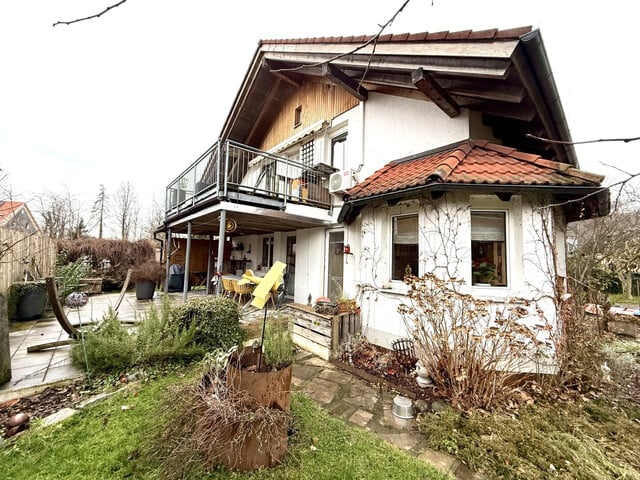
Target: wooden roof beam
[(272, 68), (430, 88), (335, 75)]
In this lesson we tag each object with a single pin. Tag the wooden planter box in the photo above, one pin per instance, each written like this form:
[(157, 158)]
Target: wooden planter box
[(91, 286), (322, 334)]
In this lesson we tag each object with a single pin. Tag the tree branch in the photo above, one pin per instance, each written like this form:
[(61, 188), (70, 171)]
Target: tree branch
[(373, 39), (62, 22), (562, 142)]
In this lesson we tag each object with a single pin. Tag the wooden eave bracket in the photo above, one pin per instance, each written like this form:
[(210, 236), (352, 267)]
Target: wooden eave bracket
[(430, 88), (273, 69), (338, 77)]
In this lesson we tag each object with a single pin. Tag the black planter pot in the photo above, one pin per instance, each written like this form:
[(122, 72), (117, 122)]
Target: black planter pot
[(145, 290), (31, 302)]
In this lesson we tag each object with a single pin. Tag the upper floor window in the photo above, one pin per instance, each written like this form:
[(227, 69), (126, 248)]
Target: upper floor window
[(404, 248), (297, 116), (488, 248), (339, 152), (306, 154)]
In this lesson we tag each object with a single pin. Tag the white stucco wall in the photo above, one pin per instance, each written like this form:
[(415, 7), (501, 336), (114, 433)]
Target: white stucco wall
[(423, 127), (444, 245)]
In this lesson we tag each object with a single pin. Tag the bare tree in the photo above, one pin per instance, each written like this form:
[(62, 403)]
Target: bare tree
[(60, 212), (125, 210), (154, 218), (100, 210)]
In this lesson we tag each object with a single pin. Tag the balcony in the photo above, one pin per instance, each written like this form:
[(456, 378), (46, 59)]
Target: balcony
[(236, 172)]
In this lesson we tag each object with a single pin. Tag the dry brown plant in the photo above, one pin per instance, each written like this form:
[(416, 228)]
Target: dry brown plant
[(209, 425), (472, 348)]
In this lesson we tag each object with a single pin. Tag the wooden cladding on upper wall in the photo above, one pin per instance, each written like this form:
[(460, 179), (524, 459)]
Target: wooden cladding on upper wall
[(319, 101)]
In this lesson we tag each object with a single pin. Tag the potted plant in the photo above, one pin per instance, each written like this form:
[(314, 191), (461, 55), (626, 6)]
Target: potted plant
[(263, 372), (484, 273), (146, 276), (26, 300), (346, 304)]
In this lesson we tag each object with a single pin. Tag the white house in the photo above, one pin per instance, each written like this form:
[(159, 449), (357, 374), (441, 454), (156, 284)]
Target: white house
[(415, 151)]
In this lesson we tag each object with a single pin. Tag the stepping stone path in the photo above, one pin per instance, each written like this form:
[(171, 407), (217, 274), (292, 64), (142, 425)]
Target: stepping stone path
[(368, 406)]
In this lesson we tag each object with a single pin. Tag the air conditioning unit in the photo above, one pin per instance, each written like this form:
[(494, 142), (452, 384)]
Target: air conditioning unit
[(340, 181)]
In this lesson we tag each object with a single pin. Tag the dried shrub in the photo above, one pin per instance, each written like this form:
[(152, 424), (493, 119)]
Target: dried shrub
[(469, 347), (149, 271), (210, 425), (121, 254)]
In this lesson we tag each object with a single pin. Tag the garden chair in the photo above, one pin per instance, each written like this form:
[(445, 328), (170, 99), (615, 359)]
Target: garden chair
[(227, 287), (240, 291)]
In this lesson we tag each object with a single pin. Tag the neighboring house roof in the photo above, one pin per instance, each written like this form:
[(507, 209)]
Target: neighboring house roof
[(503, 74), (469, 164), (17, 216)]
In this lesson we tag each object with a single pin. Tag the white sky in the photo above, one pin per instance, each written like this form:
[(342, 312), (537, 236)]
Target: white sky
[(141, 92)]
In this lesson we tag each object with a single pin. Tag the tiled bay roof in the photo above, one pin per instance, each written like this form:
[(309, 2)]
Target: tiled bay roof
[(471, 162)]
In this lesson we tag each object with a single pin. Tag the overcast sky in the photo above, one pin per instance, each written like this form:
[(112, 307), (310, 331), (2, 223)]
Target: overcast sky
[(141, 92)]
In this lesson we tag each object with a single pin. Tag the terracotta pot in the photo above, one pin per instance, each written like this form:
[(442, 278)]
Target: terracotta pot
[(269, 388)]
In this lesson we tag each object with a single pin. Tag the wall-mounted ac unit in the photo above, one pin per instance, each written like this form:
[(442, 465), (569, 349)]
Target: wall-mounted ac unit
[(340, 181)]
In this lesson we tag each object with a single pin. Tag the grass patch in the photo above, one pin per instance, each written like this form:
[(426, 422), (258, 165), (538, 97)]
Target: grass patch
[(619, 298), (108, 442), (591, 439)]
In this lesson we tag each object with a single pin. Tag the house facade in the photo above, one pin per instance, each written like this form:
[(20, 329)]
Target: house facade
[(17, 216), (358, 160)]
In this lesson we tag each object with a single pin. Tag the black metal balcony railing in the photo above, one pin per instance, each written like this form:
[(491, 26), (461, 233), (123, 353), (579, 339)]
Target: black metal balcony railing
[(229, 169)]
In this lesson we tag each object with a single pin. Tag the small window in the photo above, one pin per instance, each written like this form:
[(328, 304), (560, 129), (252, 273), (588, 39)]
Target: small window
[(339, 152), (297, 116), (306, 154), (404, 246), (488, 249)]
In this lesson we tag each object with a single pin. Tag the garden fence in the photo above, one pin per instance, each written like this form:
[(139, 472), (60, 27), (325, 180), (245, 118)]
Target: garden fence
[(24, 255)]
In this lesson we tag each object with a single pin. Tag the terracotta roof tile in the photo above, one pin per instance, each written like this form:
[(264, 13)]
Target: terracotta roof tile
[(471, 162), (483, 34), (7, 208), (459, 35)]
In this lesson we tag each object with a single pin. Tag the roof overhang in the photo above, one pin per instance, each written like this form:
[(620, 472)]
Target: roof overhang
[(505, 75), (578, 202)]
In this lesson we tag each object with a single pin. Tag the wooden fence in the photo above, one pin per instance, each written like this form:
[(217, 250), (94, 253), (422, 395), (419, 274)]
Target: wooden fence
[(23, 254)]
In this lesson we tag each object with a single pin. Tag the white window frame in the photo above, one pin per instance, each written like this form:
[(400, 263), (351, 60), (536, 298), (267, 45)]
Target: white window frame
[(508, 240), (392, 215)]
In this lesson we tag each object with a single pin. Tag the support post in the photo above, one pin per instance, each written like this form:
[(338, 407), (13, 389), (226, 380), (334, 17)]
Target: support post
[(187, 261), (167, 250), (221, 239), (209, 261)]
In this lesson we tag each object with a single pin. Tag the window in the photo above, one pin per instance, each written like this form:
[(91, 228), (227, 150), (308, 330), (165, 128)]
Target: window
[(488, 248), (267, 252), (306, 154), (339, 152), (404, 246), (297, 117)]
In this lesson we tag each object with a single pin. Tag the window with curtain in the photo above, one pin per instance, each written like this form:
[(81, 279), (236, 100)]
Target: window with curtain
[(404, 246), (488, 248)]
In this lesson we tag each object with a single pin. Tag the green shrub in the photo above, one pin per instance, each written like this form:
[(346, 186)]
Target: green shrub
[(108, 348), (71, 273), (278, 342), (159, 338), (216, 322)]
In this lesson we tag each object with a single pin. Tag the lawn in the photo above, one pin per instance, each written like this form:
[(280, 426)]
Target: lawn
[(111, 440)]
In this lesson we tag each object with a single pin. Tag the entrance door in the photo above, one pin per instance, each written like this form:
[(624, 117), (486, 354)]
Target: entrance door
[(335, 267), (291, 266)]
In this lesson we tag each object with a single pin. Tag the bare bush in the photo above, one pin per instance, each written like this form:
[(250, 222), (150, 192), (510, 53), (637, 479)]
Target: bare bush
[(471, 348), (214, 425)]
